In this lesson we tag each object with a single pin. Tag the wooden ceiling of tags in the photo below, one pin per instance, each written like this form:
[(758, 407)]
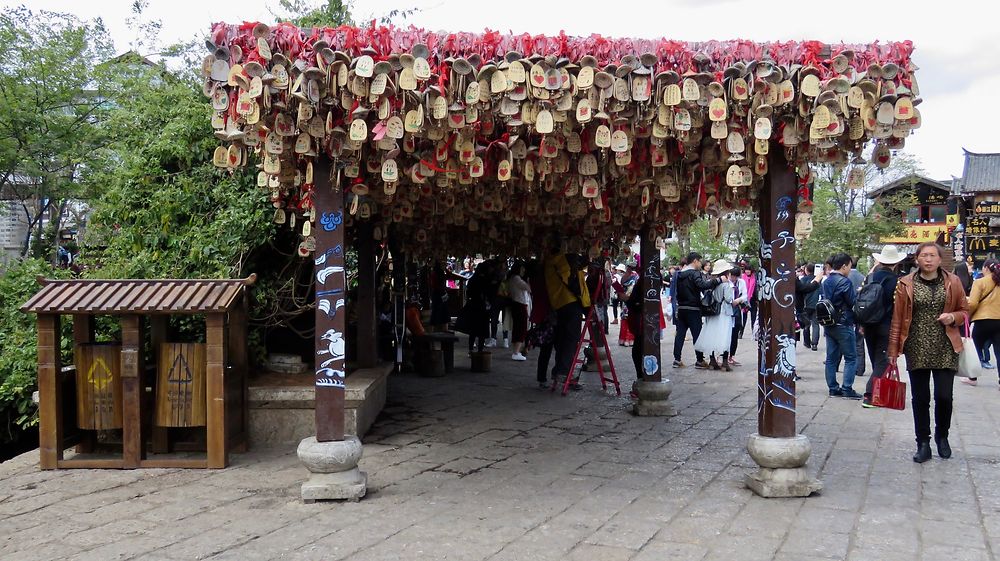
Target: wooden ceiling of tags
[(485, 142)]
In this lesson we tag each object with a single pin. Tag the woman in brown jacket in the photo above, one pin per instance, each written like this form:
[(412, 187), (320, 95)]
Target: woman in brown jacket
[(929, 307)]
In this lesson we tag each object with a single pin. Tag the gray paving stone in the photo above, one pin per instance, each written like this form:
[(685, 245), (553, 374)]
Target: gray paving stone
[(487, 467)]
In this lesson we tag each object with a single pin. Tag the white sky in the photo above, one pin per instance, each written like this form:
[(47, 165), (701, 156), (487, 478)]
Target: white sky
[(956, 41)]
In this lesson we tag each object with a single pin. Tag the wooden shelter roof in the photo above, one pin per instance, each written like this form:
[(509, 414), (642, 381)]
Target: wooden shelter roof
[(131, 296), (490, 140)]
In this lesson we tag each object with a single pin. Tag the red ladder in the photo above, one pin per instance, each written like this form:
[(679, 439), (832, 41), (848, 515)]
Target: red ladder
[(588, 335)]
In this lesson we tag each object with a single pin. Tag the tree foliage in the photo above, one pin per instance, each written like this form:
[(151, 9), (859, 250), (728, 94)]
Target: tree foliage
[(52, 96), (18, 340), (846, 219), (305, 13)]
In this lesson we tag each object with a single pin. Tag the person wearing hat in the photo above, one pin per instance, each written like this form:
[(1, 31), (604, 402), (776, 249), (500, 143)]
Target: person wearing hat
[(690, 284), (877, 334), (716, 334)]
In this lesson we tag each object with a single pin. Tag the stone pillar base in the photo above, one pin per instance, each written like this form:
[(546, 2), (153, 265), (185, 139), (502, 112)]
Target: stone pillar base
[(782, 470), (654, 399), (333, 467)]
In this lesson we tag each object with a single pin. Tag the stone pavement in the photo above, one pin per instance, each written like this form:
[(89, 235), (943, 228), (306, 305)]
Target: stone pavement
[(489, 467)]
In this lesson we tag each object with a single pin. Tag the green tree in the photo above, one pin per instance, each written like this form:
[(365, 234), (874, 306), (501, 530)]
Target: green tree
[(845, 218), (52, 96), (305, 13)]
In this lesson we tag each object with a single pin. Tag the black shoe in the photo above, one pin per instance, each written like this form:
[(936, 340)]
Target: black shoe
[(849, 393), (860, 375), (701, 365), (815, 348), (836, 393), (923, 452), (944, 449), (543, 385)]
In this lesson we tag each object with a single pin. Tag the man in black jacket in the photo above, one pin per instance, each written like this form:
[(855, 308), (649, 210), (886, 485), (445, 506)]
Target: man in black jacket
[(806, 296), (690, 284)]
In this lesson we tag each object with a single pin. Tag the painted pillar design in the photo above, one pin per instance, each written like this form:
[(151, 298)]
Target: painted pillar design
[(331, 285), (651, 282), (776, 292)]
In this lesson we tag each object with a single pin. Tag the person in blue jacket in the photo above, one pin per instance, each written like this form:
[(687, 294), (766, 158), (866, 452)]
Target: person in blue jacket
[(840, 338)]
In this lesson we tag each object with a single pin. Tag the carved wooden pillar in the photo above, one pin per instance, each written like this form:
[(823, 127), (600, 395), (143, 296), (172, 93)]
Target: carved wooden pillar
[(331, 457), (776, 312), (777, 449), (651, 282), (331, 284), (652, 389)]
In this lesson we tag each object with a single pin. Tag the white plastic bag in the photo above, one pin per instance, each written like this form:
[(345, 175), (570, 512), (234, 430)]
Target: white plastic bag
[(969, 365)]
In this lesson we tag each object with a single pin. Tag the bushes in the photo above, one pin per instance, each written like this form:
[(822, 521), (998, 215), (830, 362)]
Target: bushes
[(18, 346)]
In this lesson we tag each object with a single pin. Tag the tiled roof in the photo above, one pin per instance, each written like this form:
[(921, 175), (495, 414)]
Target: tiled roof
[(981, 173), (115, 297)]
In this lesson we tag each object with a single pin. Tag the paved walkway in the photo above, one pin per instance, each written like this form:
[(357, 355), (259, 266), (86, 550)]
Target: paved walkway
[(477, 467)]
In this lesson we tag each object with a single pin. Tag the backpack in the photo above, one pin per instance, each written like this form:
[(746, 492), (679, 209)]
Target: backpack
[(826, 313), (869, 308), (709, 305)]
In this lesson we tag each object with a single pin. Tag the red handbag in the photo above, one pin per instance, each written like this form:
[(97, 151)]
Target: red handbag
[(888, 391)]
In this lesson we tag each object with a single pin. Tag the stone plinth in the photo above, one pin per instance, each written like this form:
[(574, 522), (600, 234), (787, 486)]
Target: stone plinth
[(285, 414), (333, 467), (654, 399), (782, 470)]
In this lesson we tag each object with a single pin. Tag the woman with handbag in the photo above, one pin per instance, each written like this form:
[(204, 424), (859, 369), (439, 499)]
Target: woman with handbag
[(717, 332), (984, 309), (929, 307)]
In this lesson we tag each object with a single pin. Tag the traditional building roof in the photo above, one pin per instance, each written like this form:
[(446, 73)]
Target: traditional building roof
[(981, 173), (910, 181)]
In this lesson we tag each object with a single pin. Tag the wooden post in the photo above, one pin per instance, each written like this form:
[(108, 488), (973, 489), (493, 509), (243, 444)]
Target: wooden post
[(158, 332), (50, 398), (776, 288), (331, 284), (132, 369), (215, 354), (365, 305), (651, 282), (239, 360), (83, 333)]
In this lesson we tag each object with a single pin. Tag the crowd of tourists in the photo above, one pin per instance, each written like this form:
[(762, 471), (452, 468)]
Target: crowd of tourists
[(907, 305)]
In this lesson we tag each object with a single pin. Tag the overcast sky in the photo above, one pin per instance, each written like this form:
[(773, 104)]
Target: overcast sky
[(956, 41)]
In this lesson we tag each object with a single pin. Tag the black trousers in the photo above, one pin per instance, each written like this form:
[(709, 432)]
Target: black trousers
[(544, 354), (687, 319), (877, 339), (920, 393), (569, 322), (984, 333)]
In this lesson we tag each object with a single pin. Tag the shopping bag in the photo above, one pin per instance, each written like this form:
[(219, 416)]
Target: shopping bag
[(969, 365), (888, 391)]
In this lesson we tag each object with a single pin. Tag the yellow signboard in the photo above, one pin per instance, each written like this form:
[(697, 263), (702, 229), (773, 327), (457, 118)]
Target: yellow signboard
[(918, 233)]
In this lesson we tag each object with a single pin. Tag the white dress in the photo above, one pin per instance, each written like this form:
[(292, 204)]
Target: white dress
[(717, 332)]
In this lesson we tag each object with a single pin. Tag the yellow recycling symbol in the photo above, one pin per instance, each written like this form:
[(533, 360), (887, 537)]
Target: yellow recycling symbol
[(99, 374)]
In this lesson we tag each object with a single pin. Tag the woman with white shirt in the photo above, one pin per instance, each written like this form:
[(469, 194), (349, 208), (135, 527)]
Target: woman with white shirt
[(716, 334), (520, 296)]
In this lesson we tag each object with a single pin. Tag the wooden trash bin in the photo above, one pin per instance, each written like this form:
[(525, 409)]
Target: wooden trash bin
[(180, 385), (98, 386), (482, 361)]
